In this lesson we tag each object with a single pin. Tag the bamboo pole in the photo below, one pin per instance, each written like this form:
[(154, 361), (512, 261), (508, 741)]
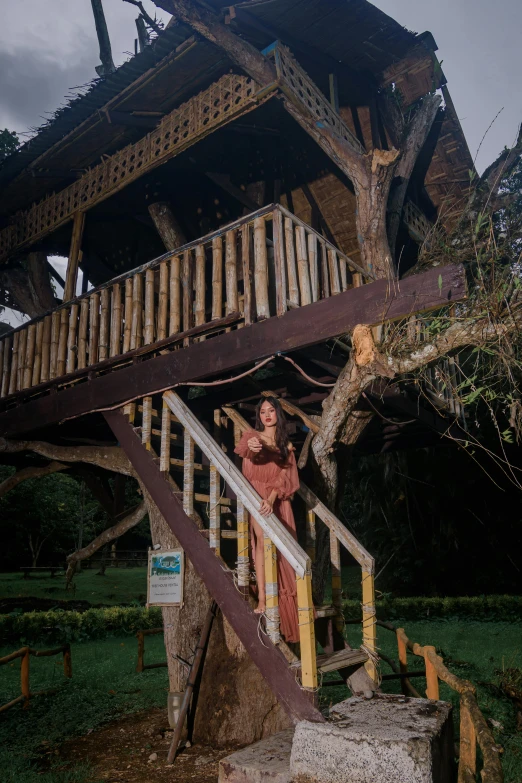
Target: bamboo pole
[(231, 290), (325, 285), (337, 592), (165, 438), (146, 422), (71, 339), (37, 364), (46, 349), (163, 300), (199, 285), (243, 560), (94, 327), (6, 360), (279, 262), (467, 744), (62, 342), (82, 334), (127, 327), (261, 269), (14, 363), (314, 270), (369, 619), (186, 283), (246, 261), (293, 288), (24, 677), (214, 510), (310, 535), (432, 680), (344, 274), (302, 265), (272, 590), (74, 256), (29, 356), (175, 295), (334, 272), (22, 350), (115, 337), (307, 632), (188, 474), (137, 296), (148, 332), (217, 277), (402, 652), (103, 348), (357, 279)]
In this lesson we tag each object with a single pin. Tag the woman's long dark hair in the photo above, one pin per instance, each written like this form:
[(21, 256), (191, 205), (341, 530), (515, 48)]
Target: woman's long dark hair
[(281, 436)]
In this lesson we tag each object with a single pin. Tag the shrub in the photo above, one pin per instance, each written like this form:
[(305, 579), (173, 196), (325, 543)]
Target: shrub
[(485, 607)]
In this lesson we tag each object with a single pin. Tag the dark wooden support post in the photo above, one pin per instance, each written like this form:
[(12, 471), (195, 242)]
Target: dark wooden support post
[(168, 228), (74, 256), (107, 64)]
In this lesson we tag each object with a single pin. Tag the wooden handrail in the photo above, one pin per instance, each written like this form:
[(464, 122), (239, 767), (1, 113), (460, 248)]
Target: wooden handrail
[(25, 653)]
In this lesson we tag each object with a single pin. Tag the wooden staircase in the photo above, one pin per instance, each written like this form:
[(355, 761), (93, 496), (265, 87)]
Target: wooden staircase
[(168, 442)]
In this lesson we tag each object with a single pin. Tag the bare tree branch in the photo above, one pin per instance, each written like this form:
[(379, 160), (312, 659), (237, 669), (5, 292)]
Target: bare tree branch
[(108, 457), (27, 473)]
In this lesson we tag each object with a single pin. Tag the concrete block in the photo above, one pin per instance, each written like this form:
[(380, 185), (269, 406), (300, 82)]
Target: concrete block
[(386, 739), (267, 761)]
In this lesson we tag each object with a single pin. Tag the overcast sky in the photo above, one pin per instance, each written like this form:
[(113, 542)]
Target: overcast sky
[(48, 47)]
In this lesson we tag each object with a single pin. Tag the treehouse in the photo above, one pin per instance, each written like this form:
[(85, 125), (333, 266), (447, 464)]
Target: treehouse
[(220, 194)]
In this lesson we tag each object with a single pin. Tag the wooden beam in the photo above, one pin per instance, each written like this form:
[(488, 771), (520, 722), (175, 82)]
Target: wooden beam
[(223, 181), (269, 660), (371, 304), (293, 410), (71, 276)]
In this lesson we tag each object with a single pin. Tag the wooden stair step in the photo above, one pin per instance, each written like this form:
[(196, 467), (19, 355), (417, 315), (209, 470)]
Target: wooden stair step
[(330, 662), (325, 611)]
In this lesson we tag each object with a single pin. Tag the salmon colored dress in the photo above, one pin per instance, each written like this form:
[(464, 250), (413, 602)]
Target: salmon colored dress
[(267, 472)]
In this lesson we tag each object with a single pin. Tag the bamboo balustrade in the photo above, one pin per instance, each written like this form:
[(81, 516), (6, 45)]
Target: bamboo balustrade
[(255, 268), (25, 654), (474, 729)]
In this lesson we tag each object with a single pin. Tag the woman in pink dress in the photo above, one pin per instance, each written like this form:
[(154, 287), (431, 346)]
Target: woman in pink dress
[(269, 465)]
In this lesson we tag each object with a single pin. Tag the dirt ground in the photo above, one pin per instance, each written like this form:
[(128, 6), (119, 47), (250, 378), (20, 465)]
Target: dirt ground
[(123, 752)]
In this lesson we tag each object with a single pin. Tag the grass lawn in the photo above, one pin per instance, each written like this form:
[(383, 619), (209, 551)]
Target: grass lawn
[(119, 586), (104, 686)]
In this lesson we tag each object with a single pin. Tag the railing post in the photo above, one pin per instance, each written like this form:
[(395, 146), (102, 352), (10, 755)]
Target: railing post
[(175, 295), (432, 680), (141, 651), (467, 745), (5, 367), (188, 474), (261, 269), (67, 661), (307, 631), (272, 593), (310, 535), (146, 422), (369, 619), (279, 261), (243, 559), (24, 677), (337, 592), (165, 438), (402, 652), (293, 288)]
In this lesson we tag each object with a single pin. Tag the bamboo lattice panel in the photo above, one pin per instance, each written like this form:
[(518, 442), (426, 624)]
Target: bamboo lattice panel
[(302, 87), (230, 95)]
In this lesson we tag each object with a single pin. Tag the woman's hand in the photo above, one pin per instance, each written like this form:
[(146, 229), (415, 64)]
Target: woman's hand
[(266, 508), (255, 445)]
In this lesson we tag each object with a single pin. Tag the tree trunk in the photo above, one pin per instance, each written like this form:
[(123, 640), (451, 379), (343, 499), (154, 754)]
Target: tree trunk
[(30, 285), (167, 226), (235, 705)]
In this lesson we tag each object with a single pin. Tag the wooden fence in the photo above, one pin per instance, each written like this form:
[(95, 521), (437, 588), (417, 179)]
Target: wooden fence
[(140, 635), (252, 269), (25, 653), (473, 727)]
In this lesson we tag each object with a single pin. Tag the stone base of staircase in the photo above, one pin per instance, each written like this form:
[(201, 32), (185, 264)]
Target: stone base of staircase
[(386, 739)]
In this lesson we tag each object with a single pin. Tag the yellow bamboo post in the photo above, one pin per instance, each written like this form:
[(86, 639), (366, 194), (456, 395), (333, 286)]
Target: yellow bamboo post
[(337, 590), (6, 360), (186, 282), (74, 256), (14, 364), (217, 277), (291, 268), (129, 410), (163, 300), (432, 680), (94, 327), (62, 342), (302, 265), (46, 349), (127, 329), (335, 284), (369, 619), (22, 350), (402, 652), (103, 348), (165, 438), (82, 334), (310, 535), (37, 365), (307, 631), (24, 677), (175, 295), (467, 745), (357, 279), (29, 356), (231, 292), (67, 661), (312, 261), (72, 348), (115, 338), (261, 269), (148, 332), (272, 592), (199, 285), (188, 474), (146, 423), (141, 651)]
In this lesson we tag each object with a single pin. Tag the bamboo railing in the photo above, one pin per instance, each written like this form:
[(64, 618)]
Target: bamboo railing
[(25, 653), (249, 270), (474, 729), (140, 636)]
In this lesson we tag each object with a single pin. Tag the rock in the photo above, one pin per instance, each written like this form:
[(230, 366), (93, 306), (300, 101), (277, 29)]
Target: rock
[(267, 761), (203, 760), (153, 757)]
